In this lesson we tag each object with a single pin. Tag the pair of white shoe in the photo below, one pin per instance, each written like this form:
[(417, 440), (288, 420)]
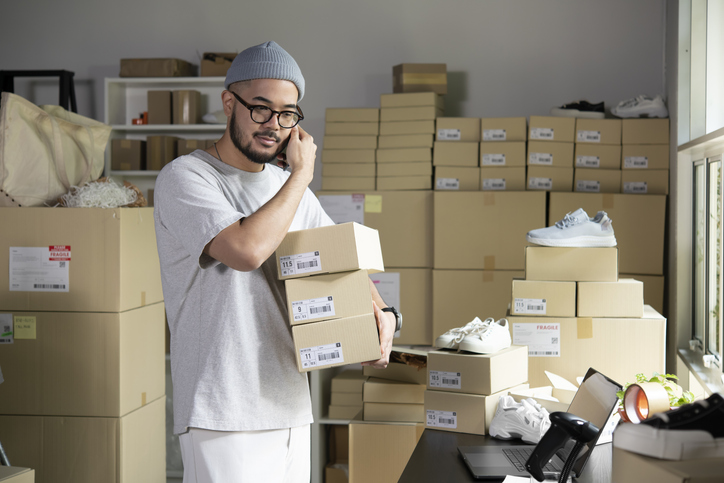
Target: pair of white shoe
[(526, 420), (483, 337)]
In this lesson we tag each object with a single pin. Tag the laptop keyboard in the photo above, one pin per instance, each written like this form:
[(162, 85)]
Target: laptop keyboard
[(518, 457)]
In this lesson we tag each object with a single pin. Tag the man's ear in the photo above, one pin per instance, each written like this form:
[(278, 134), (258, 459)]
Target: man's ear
[(227, 101)]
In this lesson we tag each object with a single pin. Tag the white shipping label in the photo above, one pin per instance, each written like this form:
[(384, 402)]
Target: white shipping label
[(635, 187), (446, 380), (6, 328), (39, 269), (447, 184), (442, 419), (588, 136), (491, 184), (491, 159), (588, 186), (300, 263), (344, 208), (313, 308), (588, 162), (388, 286), (448, 134), (322, 355), (545, 159), (640, 162), (541, 133), (543, 340), (530, 306), (494, 135), (540, 183)]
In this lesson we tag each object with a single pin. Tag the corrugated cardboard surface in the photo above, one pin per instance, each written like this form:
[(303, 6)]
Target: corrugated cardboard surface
[(420, 113), (13, 474), (606, 180), (455, 153), (624, 298), (186, 106), (492, 178), (131, 449), (404, 169), (563, 128), (502, 154), (348, 183), (396, 392), (404, 183), (634, 468), (645, 156), (559, 179), (653, 289), (114, 260), (468, 178), (656, 180), (604, 131), (350, 142), (405, 141), (85, 364), (350, 381), (128, 154), (396, 371), (599, 156), (407, 127), (362, 114), (379, 452), (463, 221), (482, 374), (419, 78), (415, 304), (559, 298), (346, 399), (344, 412), (159, 103), (348, 156), (404, 155), (645, 131), (216, 63), (515, 129), (571, 264), (404, 413), (469, 127), (561, 153), (412, 99), (351, 128), (349, 170), (160, 150), (590, 342)]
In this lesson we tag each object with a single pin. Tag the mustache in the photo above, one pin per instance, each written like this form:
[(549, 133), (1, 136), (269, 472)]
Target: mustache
[(268, 134)]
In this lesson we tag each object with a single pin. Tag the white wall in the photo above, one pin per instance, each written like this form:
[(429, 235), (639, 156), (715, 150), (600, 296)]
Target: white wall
[(504, 57)]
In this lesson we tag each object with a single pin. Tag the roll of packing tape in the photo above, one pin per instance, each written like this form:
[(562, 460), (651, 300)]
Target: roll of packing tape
[(643, 400)]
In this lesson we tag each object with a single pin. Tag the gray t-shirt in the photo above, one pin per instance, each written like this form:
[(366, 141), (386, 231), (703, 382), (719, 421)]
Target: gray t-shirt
[(232, 355)]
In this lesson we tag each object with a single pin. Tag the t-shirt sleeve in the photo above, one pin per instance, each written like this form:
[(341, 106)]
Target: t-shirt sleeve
[(317, 216)]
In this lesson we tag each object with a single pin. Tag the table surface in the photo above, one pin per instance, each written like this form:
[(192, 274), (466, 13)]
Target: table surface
[(436, 458)]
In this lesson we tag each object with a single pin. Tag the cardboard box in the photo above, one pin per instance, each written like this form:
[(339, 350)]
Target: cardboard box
[(386, 170), (412, 99), (186, 107), (639, 223), (551, 128), (346, 399), (160, 150), (461, 413), (462, 224), (394, 392), (645, 131), (128, 155), (159, 107), (131, 449), (349, 381), (461, 295), (326, 297), (455, 154), (406, 155), (419, 78), (403, 219), (113, 263), (407, 127), (645, 181), (410, 291), (645, 156), (571, 264), (188, 146), (543, 298), (344, 412), (482, 374), (84, 363), (503, 129), (405, 413), (379, 452), (336, 473), (635, 468), (466, 129), (405, 141), (354, 156), (551, 398), (653, 289), (358, 114), (349, 170), (568, 346), (406, 365), (496, 154), (351, 129), (457, 179), (597, 156), (555, 154), (156, 68), (216, 64), (493, 178), (550, 179), (329, 249), (586, 180), (348, 183), (350, 142), (13, 474), (624, 298), (404, 183), (598, 131), (419, 113), (338, 444)]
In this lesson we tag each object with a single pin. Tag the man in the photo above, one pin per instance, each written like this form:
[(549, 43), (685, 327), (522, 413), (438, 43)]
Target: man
[(241, 407)]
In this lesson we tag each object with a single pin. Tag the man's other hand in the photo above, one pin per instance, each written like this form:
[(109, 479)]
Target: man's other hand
[(386, 323)]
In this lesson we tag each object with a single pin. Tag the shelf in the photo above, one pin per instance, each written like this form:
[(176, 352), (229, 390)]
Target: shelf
[(134, 173), (174, 82), (169, 127), (340, 422)]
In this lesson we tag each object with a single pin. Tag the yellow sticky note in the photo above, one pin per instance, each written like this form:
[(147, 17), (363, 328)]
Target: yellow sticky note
[(24, 327), (373, 203)]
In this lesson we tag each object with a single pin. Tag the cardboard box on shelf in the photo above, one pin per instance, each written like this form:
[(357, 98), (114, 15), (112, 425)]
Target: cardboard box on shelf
[(412, 99), (502, 154), (348, 183), (410, 291), (14, 474), (394, 392), (110, 259), (156, 68), (128, 155), (597, 156), (503, 178), (466, 129), (83, 363), (160, 150), (462, 224), (405, 141), (645, 131), (587, 180), (503, 129), (635, 468), (355, 114), (346, 399), (404, 183), (379, 452), (455, 154), (186, 107), (645, 156), (555, 154), (457, 178), (582, 264), (349, 381), (407, 127), (545, 178), (653, 289), (543, 298), (350, 142), (349, 170), (624, 298), (387, 170), (351, 129), (346, 156), (404, 155), (551, 128), (188, 146), (482, 374), (159, 106), (419, 78), (344, 412), (216, 64), (406, 365), (645, 181), (337, 469), (418, 113), (598, 131), (395, 412)]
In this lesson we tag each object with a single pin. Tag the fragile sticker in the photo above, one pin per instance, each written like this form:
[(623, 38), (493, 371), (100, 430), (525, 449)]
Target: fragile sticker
[(322, 355), (442, 419), (543, 340), (494, 135), (445, 380), (300, 263), (311, 309)]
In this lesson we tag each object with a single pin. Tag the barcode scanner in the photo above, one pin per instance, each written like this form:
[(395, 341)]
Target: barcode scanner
[(564, 427)]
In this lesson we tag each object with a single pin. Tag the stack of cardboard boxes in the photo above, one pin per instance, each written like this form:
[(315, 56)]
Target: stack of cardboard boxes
[(455, 156), (598, 156), (350, 141), (502, 153), (346, 399), (550, 153), (645, 156)]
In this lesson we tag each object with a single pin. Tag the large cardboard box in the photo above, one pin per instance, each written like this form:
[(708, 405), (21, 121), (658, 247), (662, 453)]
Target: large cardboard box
[(159, 104), (351, 129), (638, 222), (329, 249), (407, 127), (582, 264), (635, 468), (645, 156), (555, 154), (349, 182), (568, 346), (455, 154), (645, 131), (598, 131), (130, 449), (379, 452), (624, 298), (186, 106), (356, 114), (502, 154), (543, 298), (111, 263), (412, 99), (418, 113), (395, 412), (503, 129), (551, 128), (653, 289), (463, 222), (350, 142), (156, 68), (410, 291), (128, 155), (482, 374), (503, 178), (457, 179), (406, 365), (597, 156), (404, 155), (464, 129), (586, 180), (348, 156), (405, 141), (645, 181), (395, 392), (216, 64), (14, 474), (83, 363), (351, 170), (395, 183), (545, 178), (419, 78), (386, 170), (160, 150)]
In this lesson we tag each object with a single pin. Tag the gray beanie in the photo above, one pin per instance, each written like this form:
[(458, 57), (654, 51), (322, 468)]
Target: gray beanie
[(265, 61)]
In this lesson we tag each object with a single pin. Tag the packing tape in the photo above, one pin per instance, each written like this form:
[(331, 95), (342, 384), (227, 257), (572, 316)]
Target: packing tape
[(143, 299), (421, 78), (585, 328), (643, 400), (488, 199), (489, 262), (488, 276), (608, 201), (143, 399)]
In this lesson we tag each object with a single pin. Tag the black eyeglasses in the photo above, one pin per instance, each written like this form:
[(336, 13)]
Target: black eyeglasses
[(262, 114)]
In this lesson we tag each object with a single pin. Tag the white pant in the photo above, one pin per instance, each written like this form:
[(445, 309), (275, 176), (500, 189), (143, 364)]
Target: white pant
[(275, 456)]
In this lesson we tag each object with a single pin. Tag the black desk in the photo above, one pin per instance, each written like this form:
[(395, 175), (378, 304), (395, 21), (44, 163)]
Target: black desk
[(436, 459)]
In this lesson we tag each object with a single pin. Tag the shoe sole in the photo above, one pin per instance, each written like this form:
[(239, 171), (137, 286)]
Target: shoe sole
[(472, 347), (506, 435), (578, 241), (668, 444), (558, 112), (441, 344)]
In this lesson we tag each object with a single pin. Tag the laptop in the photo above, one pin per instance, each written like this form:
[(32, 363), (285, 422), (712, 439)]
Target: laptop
[(594, 401)]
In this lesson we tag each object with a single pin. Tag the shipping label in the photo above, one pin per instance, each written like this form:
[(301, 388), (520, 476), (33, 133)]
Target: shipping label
[(635, 187), (313, 308), (494, 135), (545, 133), (530, 306), (636, 162), (447, 184), (442, 419), (344, 208), (588, 186), (322, 355), (492, 184), (300, 263), (588, 136), (546, 159), (543, 340), (540, 183), (445, 380), (448, 134), (493, 159), (588, 161), (6, 329), (39, 269)]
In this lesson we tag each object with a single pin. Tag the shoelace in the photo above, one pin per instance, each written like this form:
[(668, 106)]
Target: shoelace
[(567, 221), (461, 332)]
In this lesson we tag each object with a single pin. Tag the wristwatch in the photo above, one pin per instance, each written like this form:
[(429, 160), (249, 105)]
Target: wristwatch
[(398, 317)]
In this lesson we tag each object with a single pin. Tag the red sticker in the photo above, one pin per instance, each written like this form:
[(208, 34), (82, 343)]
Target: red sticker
[(59, 253)]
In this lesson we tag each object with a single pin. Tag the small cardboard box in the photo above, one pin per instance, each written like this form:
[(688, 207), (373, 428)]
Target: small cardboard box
[(482, 374), (160, 150), (216, 64), (397, 412), (405, 141), (645, 156), (346, 399), (543, 298), (499, 154), (349, 381), (156, 68), (571, 264), (412, 99), (598, 131), (406, 365), (396, 392), (159, 106), (326, 297), (354, 156), (551, 128), (653, 289), (379, 452), (329, 249), (351, 128), (349, 170), (586, 180), (409, 127), (404, 183), (457, 179), (624, 298), (455, 154), (350, 142), (186, 107), (344, 412), (418, 113), (420, 78), (387, 170), (14, 474), (404, 155), (128, 155), (645, 181), (503, 129), (645, 131), (554, 154), (503, 178), (635, 468), (545, 178), (348, 183), (466, 129), (358, 114), (188, 146), (597, 156)]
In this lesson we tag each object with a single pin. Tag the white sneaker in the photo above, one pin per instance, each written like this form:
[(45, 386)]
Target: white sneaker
[(451, 339), (487, 339), (519, 420), (641, 106), (576, 230)]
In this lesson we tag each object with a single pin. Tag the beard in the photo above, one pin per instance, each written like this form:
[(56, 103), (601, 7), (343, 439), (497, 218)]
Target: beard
[(245, 149)]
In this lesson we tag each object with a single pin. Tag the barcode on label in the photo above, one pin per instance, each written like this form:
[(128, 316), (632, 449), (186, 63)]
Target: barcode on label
[(326, 357), (541, 133), (493, 184), (446, 421), (491, 159), (639, 187), (588, 162), (321, 355), (494, 135), (589, 186), (636, 162), (450, 381), (48, 285), (589, 136), (542, 353), (448, 184), (536, 307), (545, 159), (320, 310), (300, 263), (303, 265), (540, 183)]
